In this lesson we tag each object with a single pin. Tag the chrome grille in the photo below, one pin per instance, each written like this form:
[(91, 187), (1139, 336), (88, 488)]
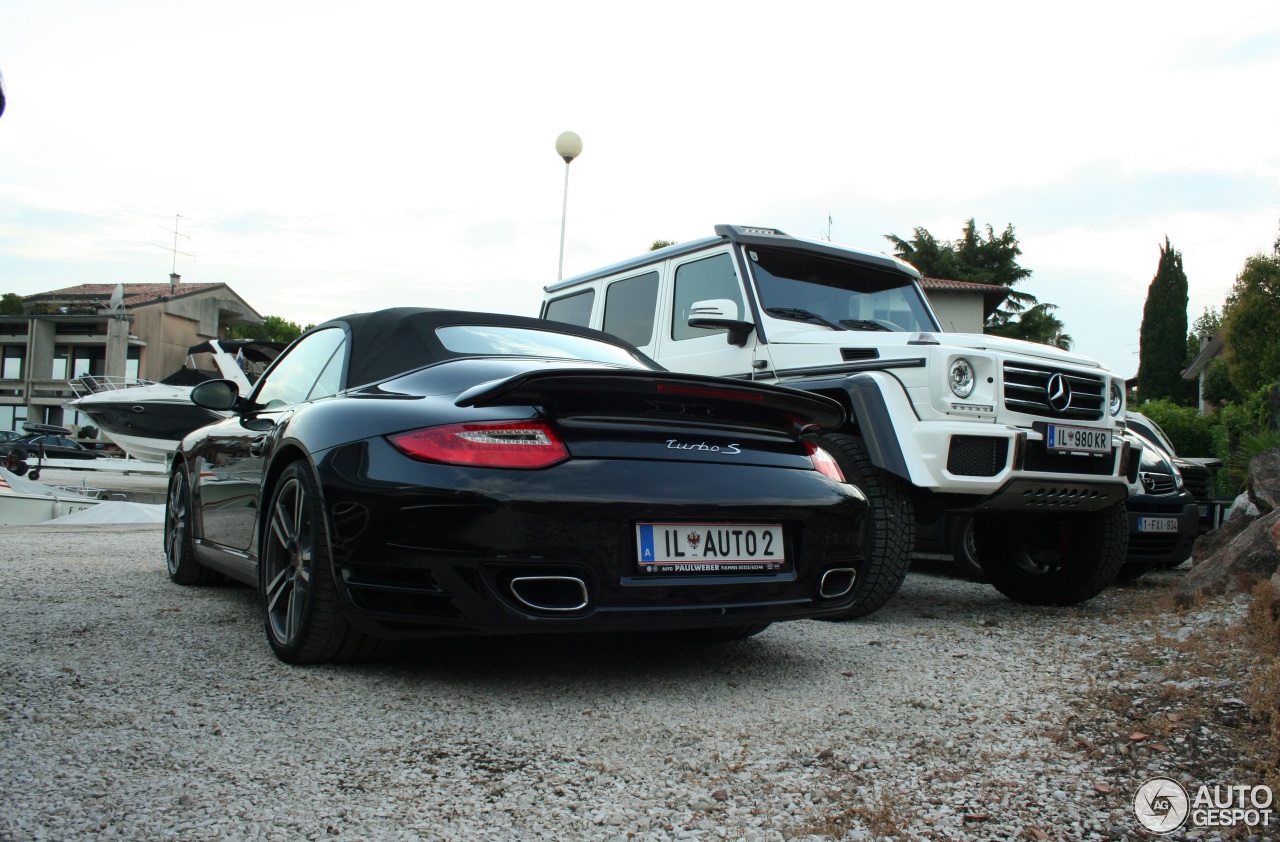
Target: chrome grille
[(1157, 483), (1027, 390)]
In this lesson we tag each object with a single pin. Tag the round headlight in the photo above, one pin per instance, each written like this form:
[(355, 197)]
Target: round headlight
[(960, 378), (1116, 402)]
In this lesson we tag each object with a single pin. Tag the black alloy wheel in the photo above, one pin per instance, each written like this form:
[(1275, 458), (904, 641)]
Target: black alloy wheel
[(304, 621), (179, 540)]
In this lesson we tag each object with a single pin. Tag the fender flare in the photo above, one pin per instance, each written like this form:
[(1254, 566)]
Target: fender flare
[(869, 407), (868, 395)]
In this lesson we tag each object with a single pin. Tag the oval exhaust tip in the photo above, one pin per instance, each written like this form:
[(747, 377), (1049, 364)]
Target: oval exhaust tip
[(837, 582), (550, 593)]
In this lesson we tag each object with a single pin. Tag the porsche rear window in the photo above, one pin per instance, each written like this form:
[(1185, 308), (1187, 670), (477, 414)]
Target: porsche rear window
[(494, 340)]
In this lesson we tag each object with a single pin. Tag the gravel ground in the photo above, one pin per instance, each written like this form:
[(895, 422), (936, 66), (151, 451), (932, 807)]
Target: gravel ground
[(132, 708)]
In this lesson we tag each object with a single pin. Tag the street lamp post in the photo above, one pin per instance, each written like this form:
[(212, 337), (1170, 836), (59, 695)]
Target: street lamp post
[(568, 146)]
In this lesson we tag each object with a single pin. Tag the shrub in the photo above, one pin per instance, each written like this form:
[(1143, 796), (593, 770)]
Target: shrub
[(1190, 432)]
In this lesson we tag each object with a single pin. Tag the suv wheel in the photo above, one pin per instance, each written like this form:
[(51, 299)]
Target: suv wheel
[(1052, 559), (891, 524), (963, 550)]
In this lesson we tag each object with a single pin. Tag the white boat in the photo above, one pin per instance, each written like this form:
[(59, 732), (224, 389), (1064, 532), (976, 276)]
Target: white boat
[(148, 419), (24, 502)]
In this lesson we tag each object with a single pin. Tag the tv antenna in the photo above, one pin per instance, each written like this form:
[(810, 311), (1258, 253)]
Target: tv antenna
[(174, 247)]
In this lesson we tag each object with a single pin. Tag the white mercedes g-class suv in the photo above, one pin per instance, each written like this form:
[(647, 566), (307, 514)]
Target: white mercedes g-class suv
[(1027, 438)]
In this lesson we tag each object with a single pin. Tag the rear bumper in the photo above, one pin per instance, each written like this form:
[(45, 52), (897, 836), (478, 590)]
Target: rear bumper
[(499, 553)]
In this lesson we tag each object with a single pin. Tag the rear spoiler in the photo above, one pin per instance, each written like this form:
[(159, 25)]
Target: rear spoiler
[(689, 394)]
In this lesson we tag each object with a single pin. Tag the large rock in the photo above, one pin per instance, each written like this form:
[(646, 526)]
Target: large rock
[(1248, 558), (1246, 548), (1242, 506), (1211, 543), (1264, 480)]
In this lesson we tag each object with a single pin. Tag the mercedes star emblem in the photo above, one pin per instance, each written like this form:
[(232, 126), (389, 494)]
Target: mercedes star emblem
[(1058, 393)]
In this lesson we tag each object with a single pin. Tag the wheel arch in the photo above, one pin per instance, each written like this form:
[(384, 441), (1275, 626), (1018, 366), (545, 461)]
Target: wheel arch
[(870, 419), (284, 455)]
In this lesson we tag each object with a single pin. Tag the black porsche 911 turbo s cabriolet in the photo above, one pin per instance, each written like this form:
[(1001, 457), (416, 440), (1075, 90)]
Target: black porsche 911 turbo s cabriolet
[(414, 472)]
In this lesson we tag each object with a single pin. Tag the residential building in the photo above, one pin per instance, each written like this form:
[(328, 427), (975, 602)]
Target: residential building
[(962, 306), (142, 332), (1211, 347)]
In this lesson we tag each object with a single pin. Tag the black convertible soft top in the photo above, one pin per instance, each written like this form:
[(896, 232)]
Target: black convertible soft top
[(390, 342)]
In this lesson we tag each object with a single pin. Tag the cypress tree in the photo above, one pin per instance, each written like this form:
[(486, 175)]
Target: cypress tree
[(1162, 345)]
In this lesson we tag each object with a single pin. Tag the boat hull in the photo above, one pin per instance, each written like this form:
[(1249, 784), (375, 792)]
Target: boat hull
[(23, 502), (147, 429)]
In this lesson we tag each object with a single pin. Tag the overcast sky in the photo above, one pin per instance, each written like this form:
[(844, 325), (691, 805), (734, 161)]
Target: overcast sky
[(327, 158)]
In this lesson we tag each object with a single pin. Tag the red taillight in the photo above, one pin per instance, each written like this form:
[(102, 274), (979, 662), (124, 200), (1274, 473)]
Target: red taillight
[(824, 463), (503, 444)]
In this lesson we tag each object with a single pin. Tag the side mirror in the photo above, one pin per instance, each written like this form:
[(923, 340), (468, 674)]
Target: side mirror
[(721, 314), (218, 395)]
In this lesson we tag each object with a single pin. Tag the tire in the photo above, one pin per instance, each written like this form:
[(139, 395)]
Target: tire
[(304, 621), (19, 469), (179, 537), (179, 540), (890, 525), (726, 634), (34, 475), (1052, 558), (963, 550)]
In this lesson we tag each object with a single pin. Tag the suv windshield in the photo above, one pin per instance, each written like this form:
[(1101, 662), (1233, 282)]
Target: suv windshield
[(838, 294)]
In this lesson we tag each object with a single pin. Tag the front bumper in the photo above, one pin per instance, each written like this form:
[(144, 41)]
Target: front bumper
[(1162, 548), (1009, 468)]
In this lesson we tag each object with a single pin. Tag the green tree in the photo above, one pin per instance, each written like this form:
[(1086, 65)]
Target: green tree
[(1251, 324), (661, 244), (1206, 325), (1218, 388), (1162, 340), (11, 304), (1036, 324), (986, 259), (272, 329)]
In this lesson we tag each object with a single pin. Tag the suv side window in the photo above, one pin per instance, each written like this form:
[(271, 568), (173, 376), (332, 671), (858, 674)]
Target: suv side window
[(572, 309), (629, 308), (700, 280)]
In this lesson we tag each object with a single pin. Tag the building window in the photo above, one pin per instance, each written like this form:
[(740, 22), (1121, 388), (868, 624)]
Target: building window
[(11, 368), (11, 417), (73, 361)]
